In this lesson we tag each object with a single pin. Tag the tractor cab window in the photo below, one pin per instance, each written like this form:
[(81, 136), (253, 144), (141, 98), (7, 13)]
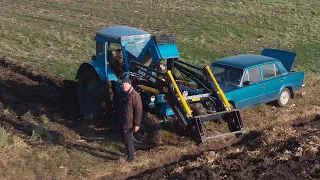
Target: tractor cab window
[(115, 55), (114, 46), (135, 48), (115, 58), (147, 59), (100, 49)]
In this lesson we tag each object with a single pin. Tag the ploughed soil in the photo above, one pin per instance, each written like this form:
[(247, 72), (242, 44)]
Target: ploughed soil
[(31, 92), (273, 149), (252, 158)]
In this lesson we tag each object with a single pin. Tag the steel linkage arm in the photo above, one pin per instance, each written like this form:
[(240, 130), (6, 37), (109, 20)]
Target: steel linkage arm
[(164, 85)]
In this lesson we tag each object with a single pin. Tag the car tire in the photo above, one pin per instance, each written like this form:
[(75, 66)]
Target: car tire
[(284, 98), (232, 106)]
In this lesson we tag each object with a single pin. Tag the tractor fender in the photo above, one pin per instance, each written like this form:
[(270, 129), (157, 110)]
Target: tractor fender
[(99, 69)]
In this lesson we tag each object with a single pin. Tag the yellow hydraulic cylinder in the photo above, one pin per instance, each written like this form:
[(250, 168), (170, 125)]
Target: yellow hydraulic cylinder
[(149, 89), (220, 92), (183, 101), (187, 84)]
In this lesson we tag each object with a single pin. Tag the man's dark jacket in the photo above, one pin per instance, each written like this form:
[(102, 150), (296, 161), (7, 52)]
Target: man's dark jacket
[(130, 109)]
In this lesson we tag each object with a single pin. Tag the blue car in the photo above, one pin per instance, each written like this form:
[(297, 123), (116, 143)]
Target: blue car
[(249, 80)]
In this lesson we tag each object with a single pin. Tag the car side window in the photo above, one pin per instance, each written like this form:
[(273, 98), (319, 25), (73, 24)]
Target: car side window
[(252, 75), (270, 71)]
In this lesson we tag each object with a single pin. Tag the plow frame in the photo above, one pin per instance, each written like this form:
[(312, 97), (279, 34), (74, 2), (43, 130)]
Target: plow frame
[(181, 104)]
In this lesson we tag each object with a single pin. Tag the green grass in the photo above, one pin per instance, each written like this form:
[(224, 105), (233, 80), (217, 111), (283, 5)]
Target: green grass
[(4, 138), (54, 162), (57, 36), (8, 140), (44, 119)]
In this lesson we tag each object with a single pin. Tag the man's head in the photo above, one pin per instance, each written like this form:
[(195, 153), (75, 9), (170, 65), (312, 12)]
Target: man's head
[(126, 84), (162, 67), (118, 53), (111, 52)]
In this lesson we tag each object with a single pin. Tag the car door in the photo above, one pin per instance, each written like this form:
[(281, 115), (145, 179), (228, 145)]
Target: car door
[(273, 81), (252, 91)]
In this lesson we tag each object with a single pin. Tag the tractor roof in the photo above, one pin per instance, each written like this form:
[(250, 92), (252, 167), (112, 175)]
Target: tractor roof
[(122, 33), (245, 60)]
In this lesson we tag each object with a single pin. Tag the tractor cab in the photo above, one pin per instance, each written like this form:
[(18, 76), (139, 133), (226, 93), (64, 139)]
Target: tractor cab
[(117, 45)]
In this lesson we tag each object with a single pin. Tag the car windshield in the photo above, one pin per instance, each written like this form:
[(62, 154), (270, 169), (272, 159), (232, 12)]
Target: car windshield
[(135, 48), (227, 75)]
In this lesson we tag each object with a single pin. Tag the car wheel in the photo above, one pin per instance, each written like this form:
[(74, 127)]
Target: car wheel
[(232, 106), (284, 98)]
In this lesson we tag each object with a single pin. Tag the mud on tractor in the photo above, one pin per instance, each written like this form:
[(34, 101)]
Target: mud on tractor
[(183, 94)]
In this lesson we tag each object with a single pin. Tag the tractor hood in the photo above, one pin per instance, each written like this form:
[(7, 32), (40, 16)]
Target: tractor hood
[(287, 58)]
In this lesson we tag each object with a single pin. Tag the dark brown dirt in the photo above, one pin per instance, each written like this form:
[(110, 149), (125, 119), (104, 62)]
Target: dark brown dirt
[(289, 159), (27, 91)]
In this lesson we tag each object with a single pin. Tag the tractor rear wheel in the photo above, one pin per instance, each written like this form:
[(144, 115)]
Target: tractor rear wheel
[(92, 95)]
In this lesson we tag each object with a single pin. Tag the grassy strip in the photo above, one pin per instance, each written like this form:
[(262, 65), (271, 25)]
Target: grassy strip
[(58, 35)]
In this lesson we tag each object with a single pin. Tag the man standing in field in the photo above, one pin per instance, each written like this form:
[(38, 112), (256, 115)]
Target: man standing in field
[(129, 116)]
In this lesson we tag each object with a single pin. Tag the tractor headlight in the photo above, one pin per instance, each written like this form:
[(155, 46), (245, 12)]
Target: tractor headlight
[(153, 98), (185, 93)]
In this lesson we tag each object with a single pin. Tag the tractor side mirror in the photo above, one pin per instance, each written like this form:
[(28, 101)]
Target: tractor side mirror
[(93, 58), (246, 83)]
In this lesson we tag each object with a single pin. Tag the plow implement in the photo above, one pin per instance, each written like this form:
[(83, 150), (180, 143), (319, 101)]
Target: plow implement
[(201, 108)]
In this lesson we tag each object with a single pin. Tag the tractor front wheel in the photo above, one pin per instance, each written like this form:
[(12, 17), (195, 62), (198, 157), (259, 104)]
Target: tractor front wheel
[(148, 133), (197, 110)]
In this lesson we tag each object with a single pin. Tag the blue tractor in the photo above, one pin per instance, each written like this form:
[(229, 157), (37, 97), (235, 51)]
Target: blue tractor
[(183, 94)]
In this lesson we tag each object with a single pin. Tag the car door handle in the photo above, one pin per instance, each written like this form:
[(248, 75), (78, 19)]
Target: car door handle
[(262, 85), (282, 79)]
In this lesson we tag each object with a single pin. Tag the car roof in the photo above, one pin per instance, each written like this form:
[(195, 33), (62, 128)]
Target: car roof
[(122, 33), (245, 60)]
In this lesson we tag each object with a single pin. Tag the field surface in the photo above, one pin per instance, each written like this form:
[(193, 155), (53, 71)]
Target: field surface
[(42, 43)]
